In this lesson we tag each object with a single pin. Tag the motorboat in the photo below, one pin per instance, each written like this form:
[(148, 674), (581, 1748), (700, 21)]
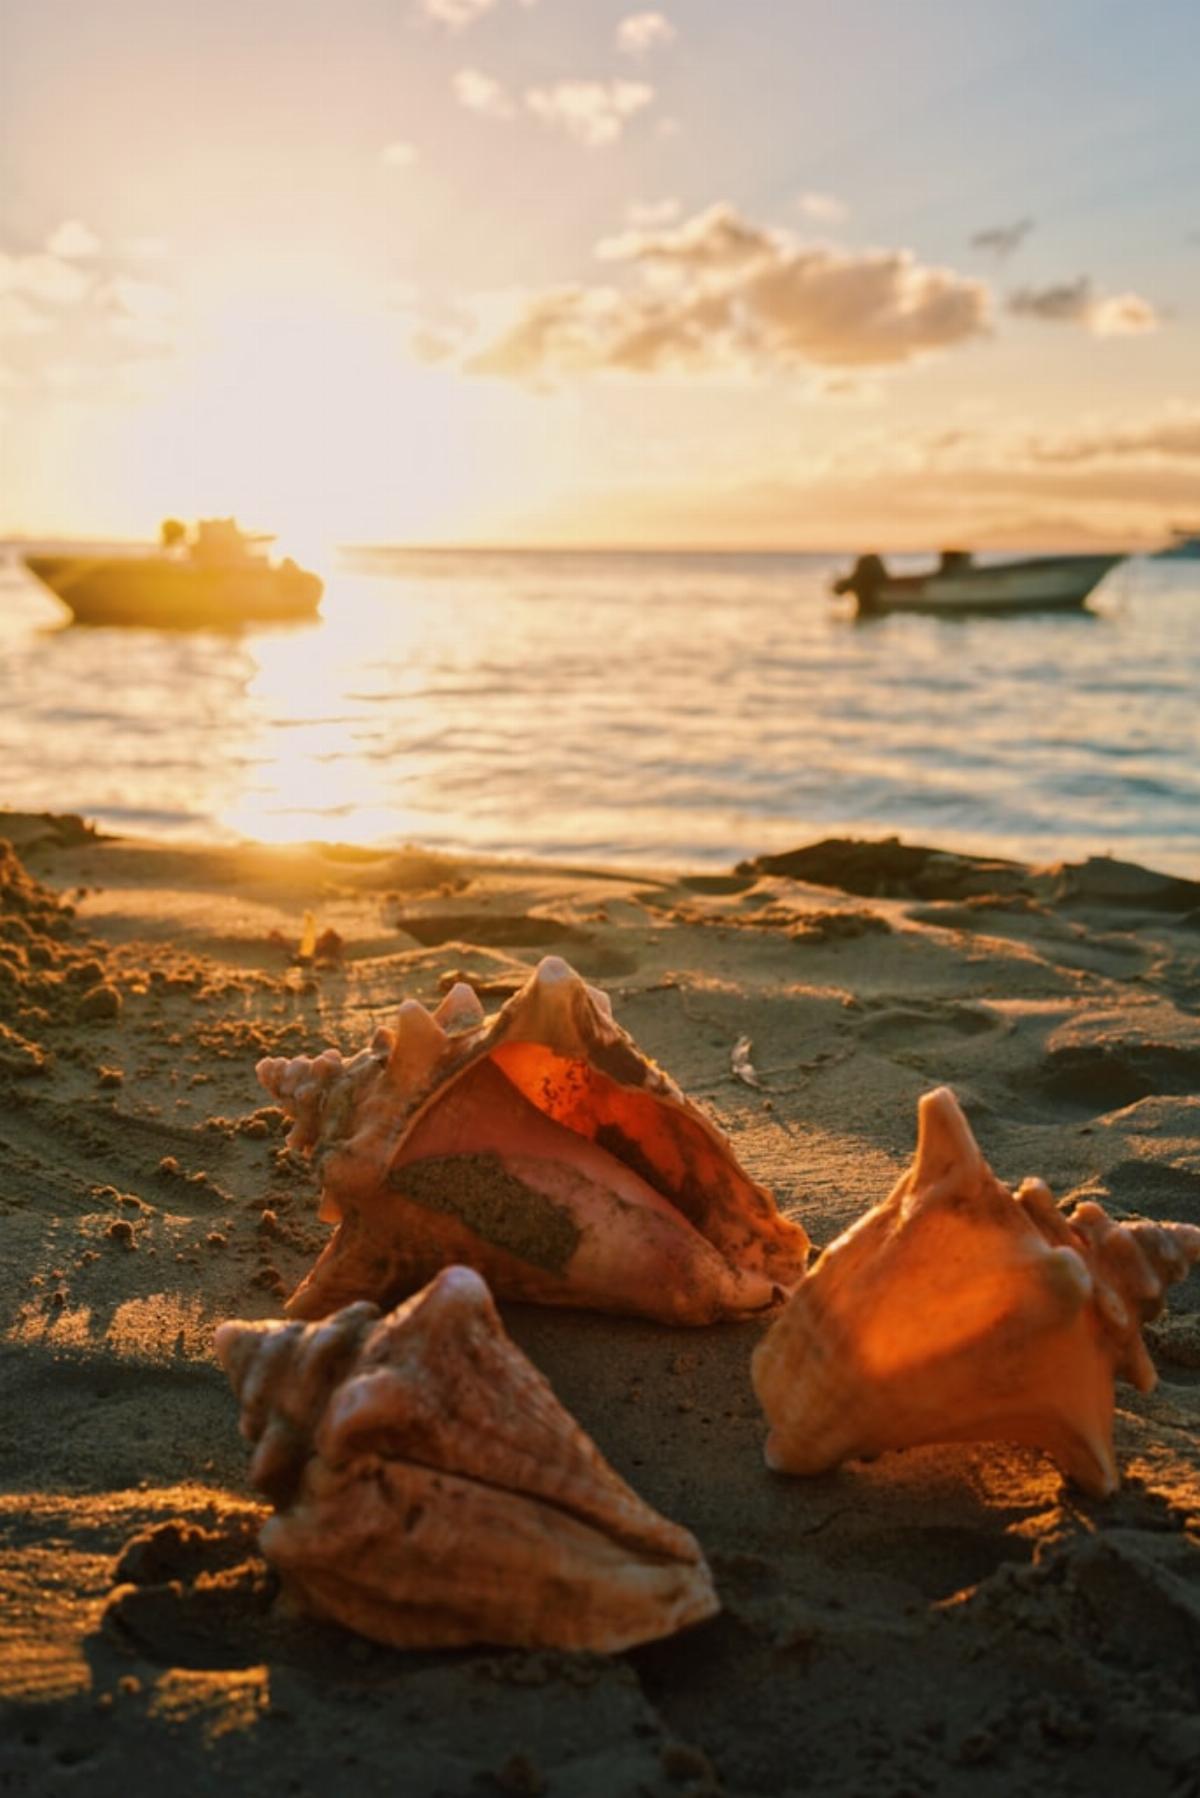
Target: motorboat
[(217, 577), (961, 586)]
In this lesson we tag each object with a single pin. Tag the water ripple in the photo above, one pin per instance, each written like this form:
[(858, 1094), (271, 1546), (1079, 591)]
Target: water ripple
[(686, 709)]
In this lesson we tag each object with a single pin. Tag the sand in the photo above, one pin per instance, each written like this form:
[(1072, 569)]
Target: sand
[(939, 1621)]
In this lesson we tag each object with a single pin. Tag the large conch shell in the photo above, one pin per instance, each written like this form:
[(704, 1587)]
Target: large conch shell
[(539, 1146), (958, 1311), (431, 1490)]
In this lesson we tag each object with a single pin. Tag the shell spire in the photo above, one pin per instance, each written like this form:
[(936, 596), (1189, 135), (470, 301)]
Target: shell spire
[(539, 1146), (431, 1490), (957, 1310)]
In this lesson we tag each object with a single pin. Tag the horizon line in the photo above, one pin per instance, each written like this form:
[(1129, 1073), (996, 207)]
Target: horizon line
[(19, 539)]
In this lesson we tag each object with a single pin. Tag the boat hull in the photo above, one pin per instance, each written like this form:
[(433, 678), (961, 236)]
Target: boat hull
[(1047, 584), (169, 595)]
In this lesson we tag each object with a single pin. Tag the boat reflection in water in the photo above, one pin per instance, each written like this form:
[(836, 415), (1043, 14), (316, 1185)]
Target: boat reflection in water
[(219, 578), (959, 586)]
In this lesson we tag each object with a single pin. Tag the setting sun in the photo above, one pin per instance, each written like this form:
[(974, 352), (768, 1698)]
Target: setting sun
[(301, 414)]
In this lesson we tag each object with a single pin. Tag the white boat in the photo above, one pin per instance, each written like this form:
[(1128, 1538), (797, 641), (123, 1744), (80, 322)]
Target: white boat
[(959, 586)]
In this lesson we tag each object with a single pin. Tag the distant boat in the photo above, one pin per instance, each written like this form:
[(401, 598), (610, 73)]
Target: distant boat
[(219, 579), (960, 587), (1184, 547)]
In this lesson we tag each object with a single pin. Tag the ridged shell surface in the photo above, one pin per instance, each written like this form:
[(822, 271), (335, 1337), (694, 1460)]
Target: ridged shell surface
[(430, 1490)]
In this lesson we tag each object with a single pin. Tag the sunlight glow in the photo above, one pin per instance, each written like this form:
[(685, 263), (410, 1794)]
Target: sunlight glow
[(301, 415)]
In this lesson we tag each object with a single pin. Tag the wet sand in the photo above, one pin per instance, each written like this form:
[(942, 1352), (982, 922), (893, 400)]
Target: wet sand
[(939, 1621)]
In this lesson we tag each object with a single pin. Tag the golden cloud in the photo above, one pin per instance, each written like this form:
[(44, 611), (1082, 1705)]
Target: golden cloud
[(1078, 303), (719, 292)]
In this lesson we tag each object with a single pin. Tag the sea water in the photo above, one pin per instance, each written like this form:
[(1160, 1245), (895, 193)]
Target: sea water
[(669, 710)]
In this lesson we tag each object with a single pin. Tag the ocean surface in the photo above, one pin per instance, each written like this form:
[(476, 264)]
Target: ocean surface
[(669, 710)]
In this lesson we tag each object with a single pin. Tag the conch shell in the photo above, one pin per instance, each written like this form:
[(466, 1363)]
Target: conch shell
[(959, 1311), (430, 1490), (538, 1146)]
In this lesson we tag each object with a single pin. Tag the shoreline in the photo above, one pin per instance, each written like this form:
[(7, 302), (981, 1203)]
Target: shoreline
[(937, 1618)]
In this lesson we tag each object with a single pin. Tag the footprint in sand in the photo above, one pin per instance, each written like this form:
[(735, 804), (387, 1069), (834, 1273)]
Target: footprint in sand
[(1155, 1189), (187, 1596), (718, 884), (941, 1560), (1137, 1593), (1088, 1079), (912, 1026), (522, 930), (519, 930)]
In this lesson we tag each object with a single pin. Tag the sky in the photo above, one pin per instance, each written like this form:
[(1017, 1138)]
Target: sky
[(723, 273)]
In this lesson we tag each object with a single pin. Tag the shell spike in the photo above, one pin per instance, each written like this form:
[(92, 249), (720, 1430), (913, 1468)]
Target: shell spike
[(946, 1149), (458, 1291), (1035, 1197), (555, 1007), (552, 970), (418, 1044), (301, 1085), (460, 1011)]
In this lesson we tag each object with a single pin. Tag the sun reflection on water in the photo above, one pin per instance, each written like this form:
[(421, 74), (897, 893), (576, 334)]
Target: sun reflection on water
[(321, 705)]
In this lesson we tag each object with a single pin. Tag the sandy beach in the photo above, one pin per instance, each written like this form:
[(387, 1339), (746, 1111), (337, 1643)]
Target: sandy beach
[(943, 1620)]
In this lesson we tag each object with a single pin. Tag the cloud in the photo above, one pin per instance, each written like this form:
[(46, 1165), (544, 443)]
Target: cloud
[(1066, 303), (1123, 315), (1002, 240), (1078, 303), (48, 279), (642, 32), (714, 239), (456, 15), (719, 292), (971, 479), (72, 238), (482, 94), (1173, 436), (826, 208), (398, 155), (991, 498), (85, 320), (592, 112)]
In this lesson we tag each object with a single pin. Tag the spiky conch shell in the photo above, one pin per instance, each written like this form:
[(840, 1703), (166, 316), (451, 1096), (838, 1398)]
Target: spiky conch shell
[(957, 1311), (538, 1146), (431, 1490)]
